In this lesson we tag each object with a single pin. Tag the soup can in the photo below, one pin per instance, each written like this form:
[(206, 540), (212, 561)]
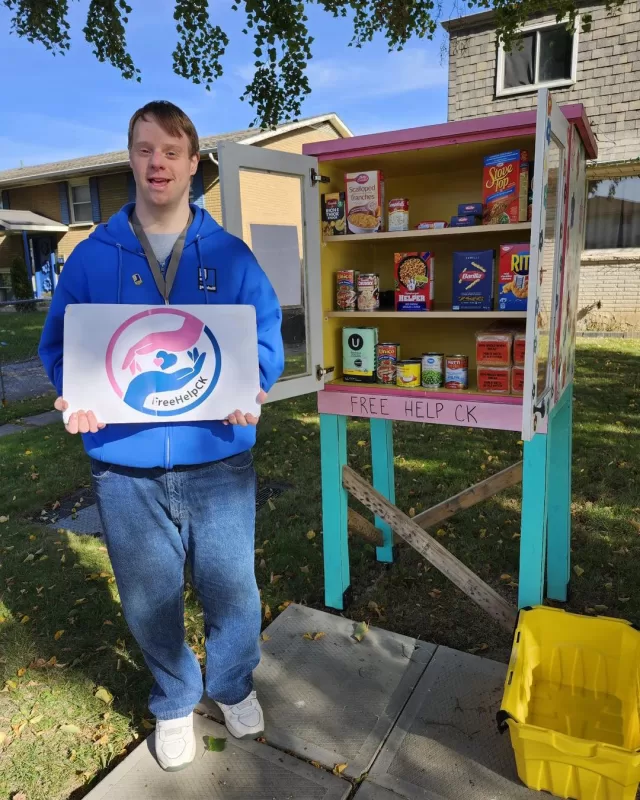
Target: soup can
[(387, 355), (433, 370), (368, 291), (346, 293), (456, 372), (409, 374)]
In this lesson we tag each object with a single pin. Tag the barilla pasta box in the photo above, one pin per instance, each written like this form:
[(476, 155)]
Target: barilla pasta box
[(473, 280), (414, 281), (513, 277), (505, 187), (365, 201)]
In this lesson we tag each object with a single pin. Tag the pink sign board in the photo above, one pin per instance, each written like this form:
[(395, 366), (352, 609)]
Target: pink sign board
[(472, 412)]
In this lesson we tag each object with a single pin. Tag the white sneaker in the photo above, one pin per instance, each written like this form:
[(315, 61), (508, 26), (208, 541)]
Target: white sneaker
[(175, 743), (244, 720)]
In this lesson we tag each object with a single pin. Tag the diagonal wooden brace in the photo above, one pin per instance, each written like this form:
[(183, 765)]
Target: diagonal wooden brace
[(473, 586)]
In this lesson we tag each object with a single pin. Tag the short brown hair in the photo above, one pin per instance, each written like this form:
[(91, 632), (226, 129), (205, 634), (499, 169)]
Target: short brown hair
[(171, 119)]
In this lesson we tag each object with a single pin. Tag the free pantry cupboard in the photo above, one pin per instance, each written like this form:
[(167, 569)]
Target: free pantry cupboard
[(439, 168)]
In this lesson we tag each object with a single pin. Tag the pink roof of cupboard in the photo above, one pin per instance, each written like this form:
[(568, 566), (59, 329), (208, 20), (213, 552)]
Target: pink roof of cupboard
[(498, 126)]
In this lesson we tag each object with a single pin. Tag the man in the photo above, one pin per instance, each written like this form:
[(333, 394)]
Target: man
[(168, 492)]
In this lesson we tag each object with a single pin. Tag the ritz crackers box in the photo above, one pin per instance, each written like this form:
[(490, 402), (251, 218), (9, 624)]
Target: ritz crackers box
[(513, 277), (473, 280), (505, 188)]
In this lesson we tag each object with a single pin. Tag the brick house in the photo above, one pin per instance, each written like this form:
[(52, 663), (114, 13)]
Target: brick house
[(601, 70), (46, 210)]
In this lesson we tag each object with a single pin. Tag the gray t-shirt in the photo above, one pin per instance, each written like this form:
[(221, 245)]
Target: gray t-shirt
[(162, 245)]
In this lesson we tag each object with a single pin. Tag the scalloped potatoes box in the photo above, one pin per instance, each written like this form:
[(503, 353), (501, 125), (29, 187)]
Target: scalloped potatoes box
[(365, 201)]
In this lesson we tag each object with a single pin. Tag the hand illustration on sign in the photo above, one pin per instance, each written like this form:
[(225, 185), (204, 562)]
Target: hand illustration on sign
[(154, 381), (176, 341)]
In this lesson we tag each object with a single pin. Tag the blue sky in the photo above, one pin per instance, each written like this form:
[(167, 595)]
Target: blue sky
[(62, 107)]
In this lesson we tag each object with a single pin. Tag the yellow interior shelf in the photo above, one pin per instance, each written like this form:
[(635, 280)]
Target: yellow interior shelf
[(428, 314), (428, 234)]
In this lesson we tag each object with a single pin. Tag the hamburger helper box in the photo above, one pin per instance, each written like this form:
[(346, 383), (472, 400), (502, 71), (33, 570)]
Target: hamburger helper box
[(513, 277), (414, 274), (473, 280), (505, 187)]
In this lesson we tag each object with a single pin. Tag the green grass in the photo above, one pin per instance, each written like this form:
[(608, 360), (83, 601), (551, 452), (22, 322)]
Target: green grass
[(21, 333), (43, 573), (16, 411)]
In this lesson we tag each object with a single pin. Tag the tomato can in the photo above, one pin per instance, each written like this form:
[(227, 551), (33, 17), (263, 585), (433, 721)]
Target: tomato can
[(346, 293), (408, 375), (387, 355), (456, 372), (433, 370)]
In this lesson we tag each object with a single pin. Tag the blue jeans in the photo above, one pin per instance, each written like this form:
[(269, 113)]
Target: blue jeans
[(153, 520)]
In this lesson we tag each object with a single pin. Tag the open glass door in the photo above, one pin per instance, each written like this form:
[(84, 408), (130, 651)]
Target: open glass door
[(547, 252), (270, 201)]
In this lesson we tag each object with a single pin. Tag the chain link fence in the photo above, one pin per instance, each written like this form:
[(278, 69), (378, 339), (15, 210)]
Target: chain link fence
[(21, 372)]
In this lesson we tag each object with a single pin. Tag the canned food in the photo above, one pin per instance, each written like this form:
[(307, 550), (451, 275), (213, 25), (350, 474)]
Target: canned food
[(387, 355), (408, 374), (346, 294), (456, 372), (399, 214), (368, 291), (433, 370)]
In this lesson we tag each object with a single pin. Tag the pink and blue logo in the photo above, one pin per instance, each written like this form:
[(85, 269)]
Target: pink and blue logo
[(163, 362)]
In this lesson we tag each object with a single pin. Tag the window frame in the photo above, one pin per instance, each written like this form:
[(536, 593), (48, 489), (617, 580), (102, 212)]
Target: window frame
[(74, 184), (593, 253), (536, 27)]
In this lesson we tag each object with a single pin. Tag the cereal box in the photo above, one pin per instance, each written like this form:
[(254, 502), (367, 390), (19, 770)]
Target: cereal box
[(365, 201), (505, 187), (473, 280), (519, 341), (333, 214), (414, 281), (513, 280), (494, 380), (493, 348), (517, 380), (359, 354)]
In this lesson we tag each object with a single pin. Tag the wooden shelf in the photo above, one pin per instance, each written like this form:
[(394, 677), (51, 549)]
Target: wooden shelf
[(436, 314), (429, 234)]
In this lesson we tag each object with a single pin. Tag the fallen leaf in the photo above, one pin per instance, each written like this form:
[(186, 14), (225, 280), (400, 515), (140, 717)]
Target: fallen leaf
[(624, 599), (58, 634), (25, 619), (314, 636), (19, 796), (412, 512), (275, 578), (601, 608), (361, 631), (17, 729), (339, 769), (608, 586), (265, 637), (478, 648), (22, 671), (441, 532), (147, 725), (216, 745), (69, 729), (271, 504), (36, 720), (104, 695), (107, 622), (267, 612), (3, 519), (578, 570), (311, 535), (102, 740), (3, 737), (80, 601), (284, 605), (505, 577), (11, 684), (316, 764), (435, 593), (305, 569)]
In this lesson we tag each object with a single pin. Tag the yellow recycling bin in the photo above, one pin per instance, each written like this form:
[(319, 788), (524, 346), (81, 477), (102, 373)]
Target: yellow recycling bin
[(572, 704)]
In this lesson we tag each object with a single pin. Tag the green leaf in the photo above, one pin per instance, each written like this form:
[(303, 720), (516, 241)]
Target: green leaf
[(104, 695), (360, 631), (216, 745)]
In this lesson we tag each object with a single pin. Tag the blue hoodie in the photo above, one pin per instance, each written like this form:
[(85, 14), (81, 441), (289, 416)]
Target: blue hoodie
[(101, 270)]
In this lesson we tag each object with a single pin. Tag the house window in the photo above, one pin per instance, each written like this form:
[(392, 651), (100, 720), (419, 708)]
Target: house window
[(546, 55), (613, 214), (80, 202)]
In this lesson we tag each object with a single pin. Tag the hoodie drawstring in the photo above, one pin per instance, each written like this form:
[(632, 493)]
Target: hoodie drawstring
[(201, 271), (119, 246)]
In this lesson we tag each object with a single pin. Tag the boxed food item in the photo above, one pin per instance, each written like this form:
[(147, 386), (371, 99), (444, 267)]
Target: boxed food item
[(431, 224), (494, 380), (365, 201), (346, 289), (333, 214), (493, 348), (414, 274), (473, 280), (513, 281), (470, 209), (505, 187), (399, 214), (464, 221), (519, 341), (517, 380), (359, 354)]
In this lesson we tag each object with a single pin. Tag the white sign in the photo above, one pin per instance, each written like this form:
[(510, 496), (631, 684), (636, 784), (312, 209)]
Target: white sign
[(130, 363)]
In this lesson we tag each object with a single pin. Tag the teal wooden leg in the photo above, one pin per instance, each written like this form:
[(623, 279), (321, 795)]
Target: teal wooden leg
[(333, 457), (559, 498), (383, 479), (533, 525)]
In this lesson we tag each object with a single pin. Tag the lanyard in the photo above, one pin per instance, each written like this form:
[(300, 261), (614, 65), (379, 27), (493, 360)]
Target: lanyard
[(164, 283)]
